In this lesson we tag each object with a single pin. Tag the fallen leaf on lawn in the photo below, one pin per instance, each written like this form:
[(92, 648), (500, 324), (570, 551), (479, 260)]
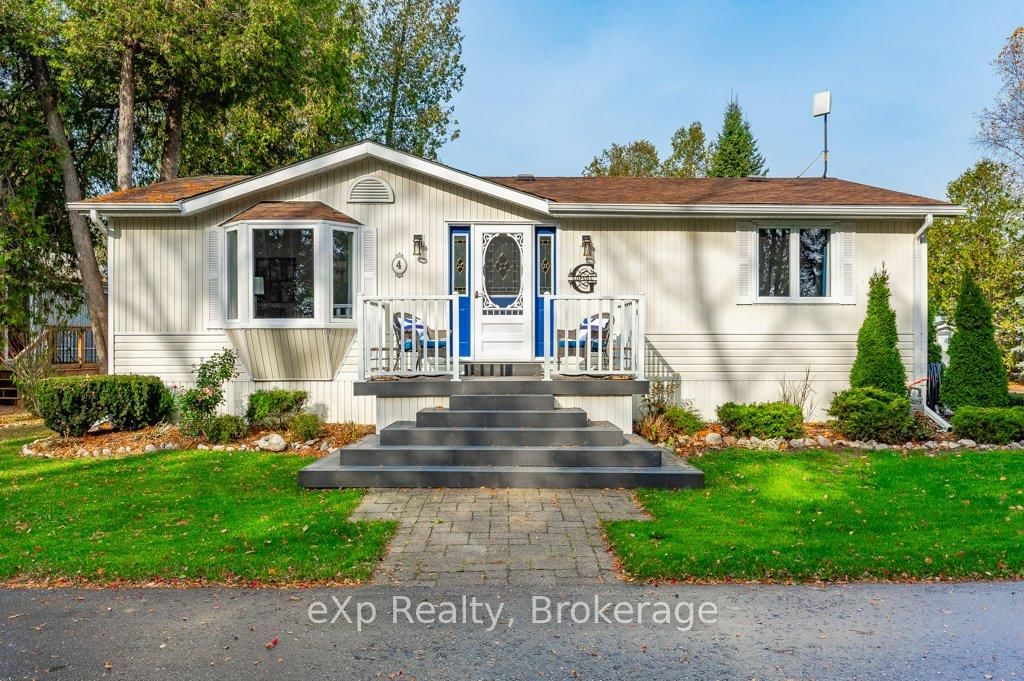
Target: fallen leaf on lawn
[(15, 616), (272, 643)]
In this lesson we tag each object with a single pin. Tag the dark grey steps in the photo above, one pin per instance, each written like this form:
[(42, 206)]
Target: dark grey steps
[(369, 452), (328, 472), (503, 418), (407, 433), (474, 402)]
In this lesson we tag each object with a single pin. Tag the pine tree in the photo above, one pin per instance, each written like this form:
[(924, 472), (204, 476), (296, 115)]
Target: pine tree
[(878, 362), (735, 151), (976, 375)]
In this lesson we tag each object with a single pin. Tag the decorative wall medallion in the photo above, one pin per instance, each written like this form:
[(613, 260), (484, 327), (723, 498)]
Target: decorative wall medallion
[(583, 278), (399, 265)]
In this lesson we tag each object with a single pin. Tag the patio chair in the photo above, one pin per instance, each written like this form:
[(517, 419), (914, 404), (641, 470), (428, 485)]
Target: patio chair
[(418, 340), (593, 335)]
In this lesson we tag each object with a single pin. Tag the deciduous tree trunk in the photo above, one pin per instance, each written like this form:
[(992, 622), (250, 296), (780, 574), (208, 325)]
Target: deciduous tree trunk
[(172, 134), (92, 280), (126, 119)]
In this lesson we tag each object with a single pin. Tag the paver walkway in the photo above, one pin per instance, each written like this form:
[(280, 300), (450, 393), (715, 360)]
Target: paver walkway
[(497, 536)]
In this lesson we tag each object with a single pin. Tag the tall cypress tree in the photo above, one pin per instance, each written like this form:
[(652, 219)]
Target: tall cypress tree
[(735, 151), (976, 375), (878, 362)]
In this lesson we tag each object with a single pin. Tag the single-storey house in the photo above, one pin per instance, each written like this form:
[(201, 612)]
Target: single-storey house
[(390, 287)]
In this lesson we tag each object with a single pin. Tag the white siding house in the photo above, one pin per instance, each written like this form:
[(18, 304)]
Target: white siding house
[(679, 265)]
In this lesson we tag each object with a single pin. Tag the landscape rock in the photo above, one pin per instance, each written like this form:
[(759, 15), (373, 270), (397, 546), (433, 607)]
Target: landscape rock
[(82, 452), (966, 442), (1016, 445), (881, 446), (272, 443), (27, 451), (310, 443), (151, 447), (107, 451), (797, 443), (324, 447), (168, 445), (713, 439), (823, 441), (773, 443), (756, 442), (931, 444), (218, 448), (202, 446), (729, 440)]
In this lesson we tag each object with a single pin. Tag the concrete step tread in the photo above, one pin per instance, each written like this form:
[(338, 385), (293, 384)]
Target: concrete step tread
[(594, 426), (632, 443), (555, 410)]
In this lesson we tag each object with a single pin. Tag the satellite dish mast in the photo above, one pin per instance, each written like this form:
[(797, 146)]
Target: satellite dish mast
[(822, 107)]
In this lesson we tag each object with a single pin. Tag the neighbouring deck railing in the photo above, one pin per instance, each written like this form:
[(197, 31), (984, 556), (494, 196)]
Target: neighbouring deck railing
[(594, 335), (408, 336)]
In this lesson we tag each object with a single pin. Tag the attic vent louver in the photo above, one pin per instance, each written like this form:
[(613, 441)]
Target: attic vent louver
[(371, 189)]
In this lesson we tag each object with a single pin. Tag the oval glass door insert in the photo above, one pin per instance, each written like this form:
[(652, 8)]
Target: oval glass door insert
[(503, 273)]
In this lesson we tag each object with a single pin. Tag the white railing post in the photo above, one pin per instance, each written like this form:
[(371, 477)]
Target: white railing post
[(640, 355), (364, 347), (548, 328), (453, 342)]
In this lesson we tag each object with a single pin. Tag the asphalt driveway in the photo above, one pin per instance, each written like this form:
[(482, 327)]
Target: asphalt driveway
[(867, 631)]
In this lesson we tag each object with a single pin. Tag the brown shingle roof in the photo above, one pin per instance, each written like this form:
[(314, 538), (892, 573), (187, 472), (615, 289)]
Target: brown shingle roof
[(712, 191), (169, 191), (292, 210)]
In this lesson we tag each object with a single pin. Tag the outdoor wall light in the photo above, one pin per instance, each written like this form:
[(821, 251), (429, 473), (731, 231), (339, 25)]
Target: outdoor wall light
[(588, 247), (418, 247)]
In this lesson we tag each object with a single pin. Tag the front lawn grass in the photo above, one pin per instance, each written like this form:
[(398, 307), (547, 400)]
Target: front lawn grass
[(822, 515), (229, 517)]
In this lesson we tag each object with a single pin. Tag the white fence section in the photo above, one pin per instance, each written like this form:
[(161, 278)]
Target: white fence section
[(408, 336), (594, 335)]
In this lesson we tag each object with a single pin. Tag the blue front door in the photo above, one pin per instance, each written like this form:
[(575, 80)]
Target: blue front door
[(460, 282)]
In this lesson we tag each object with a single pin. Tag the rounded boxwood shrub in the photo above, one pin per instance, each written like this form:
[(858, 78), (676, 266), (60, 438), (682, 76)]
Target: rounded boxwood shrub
[(70, 405), (764, 420), (872, 414), (133, 402), (273, 408), (878, 363), (976, 375), (683, 420), (306, 425), (991, 425), (224, 429)]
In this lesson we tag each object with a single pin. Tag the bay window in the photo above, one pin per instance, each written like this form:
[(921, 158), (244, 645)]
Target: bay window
[(281, 274), (793, 263)]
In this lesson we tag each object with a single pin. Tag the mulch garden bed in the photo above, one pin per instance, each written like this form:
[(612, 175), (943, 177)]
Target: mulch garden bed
[(103, 441)]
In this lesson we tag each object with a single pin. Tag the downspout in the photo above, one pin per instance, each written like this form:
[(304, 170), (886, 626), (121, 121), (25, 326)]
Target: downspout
[(95, 218), (921, 314)]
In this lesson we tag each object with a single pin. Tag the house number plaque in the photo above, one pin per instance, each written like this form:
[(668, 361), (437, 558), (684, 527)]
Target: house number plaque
[(583, 278), (399, 265)]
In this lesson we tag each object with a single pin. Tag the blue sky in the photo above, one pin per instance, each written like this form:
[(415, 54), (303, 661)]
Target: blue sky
[(550, 83)]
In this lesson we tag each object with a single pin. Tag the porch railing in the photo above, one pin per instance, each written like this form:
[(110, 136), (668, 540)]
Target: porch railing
[(594, 335), (405, 336)]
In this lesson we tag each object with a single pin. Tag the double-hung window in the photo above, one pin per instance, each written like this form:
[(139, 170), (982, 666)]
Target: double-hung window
[(282, 274), (794, 263)]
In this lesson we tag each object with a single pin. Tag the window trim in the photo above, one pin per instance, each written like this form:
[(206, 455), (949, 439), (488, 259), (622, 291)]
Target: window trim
[(323, 275), (794, 262)]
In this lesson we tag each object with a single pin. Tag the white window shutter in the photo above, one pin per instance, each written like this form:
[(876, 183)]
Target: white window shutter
[(214, 260), (746, 276), (369, 261), (845, 278)]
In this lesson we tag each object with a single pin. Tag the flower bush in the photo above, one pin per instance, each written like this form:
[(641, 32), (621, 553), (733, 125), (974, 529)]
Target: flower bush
[(197, 404)]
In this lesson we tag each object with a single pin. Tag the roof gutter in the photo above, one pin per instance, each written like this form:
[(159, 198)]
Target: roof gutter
[(749, 210)]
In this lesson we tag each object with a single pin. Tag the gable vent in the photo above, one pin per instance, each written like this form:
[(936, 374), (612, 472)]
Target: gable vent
[(371, 189)]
